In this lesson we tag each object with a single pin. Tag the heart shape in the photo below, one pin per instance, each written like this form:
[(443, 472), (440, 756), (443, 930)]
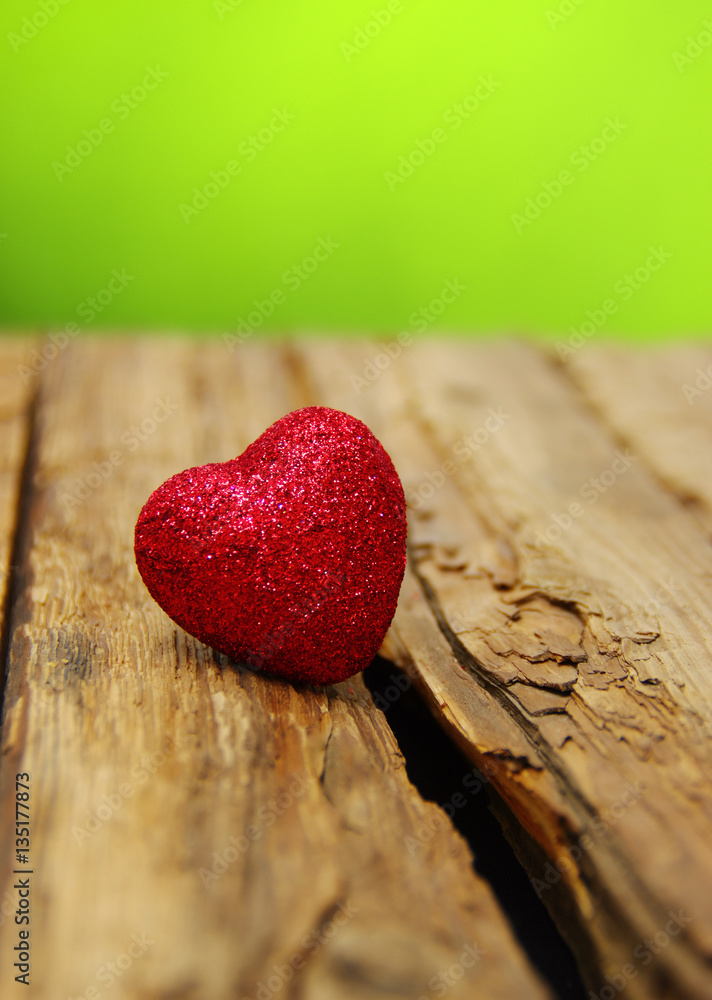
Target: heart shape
[(290, 557)]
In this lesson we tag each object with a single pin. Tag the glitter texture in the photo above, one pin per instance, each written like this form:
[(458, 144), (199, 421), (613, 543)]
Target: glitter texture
[(289, 558)]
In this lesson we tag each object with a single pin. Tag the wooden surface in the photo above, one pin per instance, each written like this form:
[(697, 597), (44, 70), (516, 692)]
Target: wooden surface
[(660, 402), (16, 394), (555, 617)]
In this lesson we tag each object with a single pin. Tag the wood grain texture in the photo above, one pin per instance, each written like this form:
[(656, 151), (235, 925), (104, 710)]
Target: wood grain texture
[(659, 400), (573, 595), (16, 395), (17, 391), (197, 825)]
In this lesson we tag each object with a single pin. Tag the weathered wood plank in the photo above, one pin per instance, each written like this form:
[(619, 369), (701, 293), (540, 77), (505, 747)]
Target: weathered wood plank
[(573, 649), (660, 401), (16, 393), (224, 822)]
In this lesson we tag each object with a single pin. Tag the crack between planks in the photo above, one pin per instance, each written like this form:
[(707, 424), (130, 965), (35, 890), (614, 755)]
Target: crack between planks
[(322, 775), (586, 814), (20, 540), (437, 767)]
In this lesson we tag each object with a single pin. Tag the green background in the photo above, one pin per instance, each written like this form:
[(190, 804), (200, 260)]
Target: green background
[(358, 113)]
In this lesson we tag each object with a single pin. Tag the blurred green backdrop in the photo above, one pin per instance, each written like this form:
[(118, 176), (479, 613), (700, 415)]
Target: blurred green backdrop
[(215, 164)]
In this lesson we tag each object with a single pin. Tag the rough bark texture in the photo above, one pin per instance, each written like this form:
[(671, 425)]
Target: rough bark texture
[(197, 829)]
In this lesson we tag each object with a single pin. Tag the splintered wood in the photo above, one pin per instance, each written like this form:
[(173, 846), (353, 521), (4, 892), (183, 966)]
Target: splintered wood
[(201, 832)]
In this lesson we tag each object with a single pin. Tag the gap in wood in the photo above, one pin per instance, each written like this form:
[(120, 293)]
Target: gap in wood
[(442, 774), (19, 547)]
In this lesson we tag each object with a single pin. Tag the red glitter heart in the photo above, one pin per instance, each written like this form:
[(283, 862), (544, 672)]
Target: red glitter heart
[(291, 556)]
